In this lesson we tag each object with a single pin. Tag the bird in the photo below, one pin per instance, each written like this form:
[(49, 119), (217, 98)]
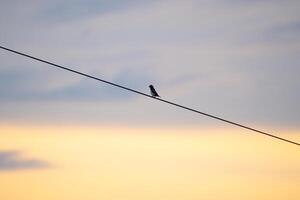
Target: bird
[(153, 91)]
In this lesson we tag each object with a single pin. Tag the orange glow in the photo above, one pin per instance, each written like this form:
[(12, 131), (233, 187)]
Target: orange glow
[(127, 163)]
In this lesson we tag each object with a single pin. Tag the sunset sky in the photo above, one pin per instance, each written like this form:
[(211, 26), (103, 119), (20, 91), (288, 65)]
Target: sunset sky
[(63, 136)]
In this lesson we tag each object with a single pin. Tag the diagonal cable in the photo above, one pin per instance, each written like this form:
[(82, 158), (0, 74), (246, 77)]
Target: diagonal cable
[(149, 96)]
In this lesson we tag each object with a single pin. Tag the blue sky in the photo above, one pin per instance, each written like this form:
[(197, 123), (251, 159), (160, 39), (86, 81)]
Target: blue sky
[(236, 59)]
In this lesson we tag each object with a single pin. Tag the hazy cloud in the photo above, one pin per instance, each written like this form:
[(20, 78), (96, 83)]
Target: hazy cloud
[(237, 59), (10, 160)]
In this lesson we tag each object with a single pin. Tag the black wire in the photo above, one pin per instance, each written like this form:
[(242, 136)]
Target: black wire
[(158, 99)]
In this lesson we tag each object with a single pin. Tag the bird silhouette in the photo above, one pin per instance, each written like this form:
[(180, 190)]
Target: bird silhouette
[(153, 91)]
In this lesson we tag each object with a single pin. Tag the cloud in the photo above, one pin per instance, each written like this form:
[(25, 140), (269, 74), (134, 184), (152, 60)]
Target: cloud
[(237, 59), (10, 160)]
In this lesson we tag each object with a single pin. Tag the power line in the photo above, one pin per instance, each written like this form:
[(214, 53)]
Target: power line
[(149, 96)]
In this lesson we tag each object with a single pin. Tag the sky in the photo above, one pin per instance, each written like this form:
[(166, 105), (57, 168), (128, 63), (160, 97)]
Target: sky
[(236, 59)]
